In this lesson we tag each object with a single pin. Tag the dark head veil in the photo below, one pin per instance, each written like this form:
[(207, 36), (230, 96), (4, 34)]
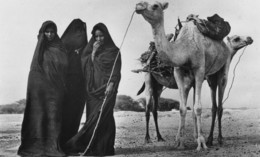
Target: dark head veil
[(43, 44), (75, 36), (108, 43), (47, 24)]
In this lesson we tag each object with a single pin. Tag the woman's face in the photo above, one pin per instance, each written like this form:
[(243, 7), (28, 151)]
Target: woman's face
[(99, 36), (49, 33)]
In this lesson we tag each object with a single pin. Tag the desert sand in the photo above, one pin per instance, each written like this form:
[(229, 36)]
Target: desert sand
[(241, 131)]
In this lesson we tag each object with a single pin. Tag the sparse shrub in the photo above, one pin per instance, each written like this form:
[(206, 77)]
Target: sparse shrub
[(168, 104), (227, 113), (14, 108), (207, 115), (126, 103), (164, 104)]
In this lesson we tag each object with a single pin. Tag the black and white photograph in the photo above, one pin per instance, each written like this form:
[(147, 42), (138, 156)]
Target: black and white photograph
[(155, 78)]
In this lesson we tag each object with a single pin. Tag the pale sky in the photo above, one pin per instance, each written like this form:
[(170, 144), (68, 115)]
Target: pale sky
[(21, 20)]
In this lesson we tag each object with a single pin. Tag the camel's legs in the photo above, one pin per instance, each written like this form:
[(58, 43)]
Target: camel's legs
[(184, 87), (148, 93), (212, 81), (157, 90), (221, 89), (195, 133), (147, 115), (199, 78), (151, 97), (153, 91)]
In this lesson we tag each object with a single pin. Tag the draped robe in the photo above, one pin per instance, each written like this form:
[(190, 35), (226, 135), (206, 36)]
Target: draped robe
[(74, 39), (96, 75), (46, 89)]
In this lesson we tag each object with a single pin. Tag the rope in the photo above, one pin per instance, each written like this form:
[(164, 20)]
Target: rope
[(103, 104), (234, 74), (234, 70), (120, 47)]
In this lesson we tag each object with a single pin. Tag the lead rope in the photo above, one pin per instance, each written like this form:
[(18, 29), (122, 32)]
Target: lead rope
[(234, 75), (233, 79), (102, 106)]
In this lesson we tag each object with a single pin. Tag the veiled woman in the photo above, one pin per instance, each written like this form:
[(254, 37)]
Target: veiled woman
[(45, 95), (99, 58), (75, 39)]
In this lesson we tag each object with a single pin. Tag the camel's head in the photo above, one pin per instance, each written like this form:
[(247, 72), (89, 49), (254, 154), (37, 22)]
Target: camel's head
[(151, 13), (237, 42)]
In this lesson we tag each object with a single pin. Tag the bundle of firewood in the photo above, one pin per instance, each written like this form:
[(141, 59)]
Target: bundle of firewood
[(152, 63)]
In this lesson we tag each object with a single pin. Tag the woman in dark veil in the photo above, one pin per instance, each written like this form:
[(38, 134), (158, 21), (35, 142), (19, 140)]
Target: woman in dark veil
[(75, 39), (46, 89), (98, 60)]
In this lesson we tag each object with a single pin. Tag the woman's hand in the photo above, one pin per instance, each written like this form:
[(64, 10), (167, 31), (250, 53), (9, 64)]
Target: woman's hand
[(96, 45), (110, 89)]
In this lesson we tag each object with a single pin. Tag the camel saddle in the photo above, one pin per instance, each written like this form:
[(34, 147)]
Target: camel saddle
[(214, 27)]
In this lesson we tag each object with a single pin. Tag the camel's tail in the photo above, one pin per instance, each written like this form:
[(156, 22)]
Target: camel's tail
[(141, 90)]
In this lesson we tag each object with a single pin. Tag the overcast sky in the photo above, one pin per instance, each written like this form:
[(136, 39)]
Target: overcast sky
[(21, 20)]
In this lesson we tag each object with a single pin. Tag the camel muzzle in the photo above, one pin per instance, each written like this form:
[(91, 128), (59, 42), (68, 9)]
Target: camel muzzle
[(249, 40), (140, 7)]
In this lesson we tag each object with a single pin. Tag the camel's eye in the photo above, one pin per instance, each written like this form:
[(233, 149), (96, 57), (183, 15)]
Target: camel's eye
[(155, 6), (237, 39)]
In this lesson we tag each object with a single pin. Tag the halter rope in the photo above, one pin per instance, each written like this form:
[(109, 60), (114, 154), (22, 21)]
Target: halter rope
[(233, 79), (234, 74)]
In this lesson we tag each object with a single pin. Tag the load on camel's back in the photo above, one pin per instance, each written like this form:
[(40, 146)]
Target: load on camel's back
[(215, 27)]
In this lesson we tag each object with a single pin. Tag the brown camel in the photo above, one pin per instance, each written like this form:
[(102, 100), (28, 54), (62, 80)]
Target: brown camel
[(154, 84), (194, 57)]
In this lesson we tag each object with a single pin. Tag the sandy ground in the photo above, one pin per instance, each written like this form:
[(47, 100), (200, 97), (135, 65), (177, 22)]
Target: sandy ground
[(241, 131)]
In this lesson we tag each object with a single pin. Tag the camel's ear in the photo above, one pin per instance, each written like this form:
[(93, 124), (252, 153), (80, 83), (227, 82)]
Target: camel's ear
[(165, 5), (228, 39)]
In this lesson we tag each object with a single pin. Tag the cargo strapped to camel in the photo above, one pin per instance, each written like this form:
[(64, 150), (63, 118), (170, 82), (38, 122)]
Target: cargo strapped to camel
[(153, 63), (215, 27)]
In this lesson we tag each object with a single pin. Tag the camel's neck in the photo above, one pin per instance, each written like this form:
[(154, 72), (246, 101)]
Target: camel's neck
[(163, 46), (231, 50), (160, 37)]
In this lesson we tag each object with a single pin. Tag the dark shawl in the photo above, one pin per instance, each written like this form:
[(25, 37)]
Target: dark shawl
[(96, 75), (46, 89), (74, 39)]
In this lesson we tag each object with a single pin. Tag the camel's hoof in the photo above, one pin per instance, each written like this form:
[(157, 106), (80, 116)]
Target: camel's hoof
[(179, 145), (198, 148), (220, 140), (210, 141), (160, 139), (147, 141), (201, 143)]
